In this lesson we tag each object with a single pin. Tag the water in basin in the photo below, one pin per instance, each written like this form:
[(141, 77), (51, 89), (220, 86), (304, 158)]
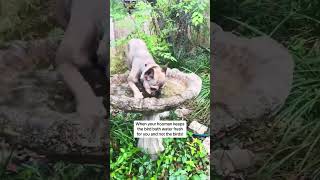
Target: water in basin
[(172, 87)]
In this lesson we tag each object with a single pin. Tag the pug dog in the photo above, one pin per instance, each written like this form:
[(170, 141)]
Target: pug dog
[(144, 70)]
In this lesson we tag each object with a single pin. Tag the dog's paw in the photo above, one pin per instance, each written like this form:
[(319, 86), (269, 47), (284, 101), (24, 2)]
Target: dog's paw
[(92, 113)]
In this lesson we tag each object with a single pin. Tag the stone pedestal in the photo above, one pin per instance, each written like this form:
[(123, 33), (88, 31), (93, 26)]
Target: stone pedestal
[(153, 146)]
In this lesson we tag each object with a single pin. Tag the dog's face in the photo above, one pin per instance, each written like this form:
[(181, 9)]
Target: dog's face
[(153, 80)]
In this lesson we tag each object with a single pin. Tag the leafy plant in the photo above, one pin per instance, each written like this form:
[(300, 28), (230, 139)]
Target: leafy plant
[(183, 158), (117, 10), (159, 49), (181, 19)]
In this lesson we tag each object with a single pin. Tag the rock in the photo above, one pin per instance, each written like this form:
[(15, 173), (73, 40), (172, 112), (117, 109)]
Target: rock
[(206, 144), (197, 127), (164, 114), (222, 121), (252, 77), (228, 161), (183, 112)]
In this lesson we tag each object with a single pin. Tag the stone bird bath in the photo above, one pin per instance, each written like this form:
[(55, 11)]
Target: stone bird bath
[(179, 87)]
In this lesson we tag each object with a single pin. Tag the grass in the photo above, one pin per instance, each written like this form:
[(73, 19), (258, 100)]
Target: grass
[(198, 63), (24, 20), (295, 24), (299, 122)]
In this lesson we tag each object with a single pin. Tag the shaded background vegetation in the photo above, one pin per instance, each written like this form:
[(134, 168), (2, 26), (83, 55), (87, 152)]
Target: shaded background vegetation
[(29, 20), (294, 131), (25, 20), (33, 19)]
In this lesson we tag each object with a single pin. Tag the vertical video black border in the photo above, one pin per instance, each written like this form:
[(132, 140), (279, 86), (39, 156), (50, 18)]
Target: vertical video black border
[(107, 103), (211, 81)]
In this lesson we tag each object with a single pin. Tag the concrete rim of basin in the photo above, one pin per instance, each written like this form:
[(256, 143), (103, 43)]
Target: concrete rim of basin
[(192, 82)]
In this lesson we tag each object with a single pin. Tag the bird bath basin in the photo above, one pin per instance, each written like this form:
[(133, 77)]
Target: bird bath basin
[(179, 87)]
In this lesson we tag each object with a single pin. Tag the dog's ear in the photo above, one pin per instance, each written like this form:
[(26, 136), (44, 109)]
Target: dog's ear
[(164, 68), (149, 74)]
